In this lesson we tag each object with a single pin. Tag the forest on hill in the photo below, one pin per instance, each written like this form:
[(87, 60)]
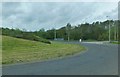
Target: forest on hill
[(98, 31)]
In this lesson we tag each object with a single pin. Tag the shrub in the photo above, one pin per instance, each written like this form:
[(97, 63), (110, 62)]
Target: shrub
[(33, 37), (42, 39)]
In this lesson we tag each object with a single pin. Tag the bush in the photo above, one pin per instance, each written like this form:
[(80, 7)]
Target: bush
[(33, 37), (42, 40)]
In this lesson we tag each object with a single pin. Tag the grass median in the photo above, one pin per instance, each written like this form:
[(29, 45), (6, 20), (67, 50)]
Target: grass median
[(16, 50)]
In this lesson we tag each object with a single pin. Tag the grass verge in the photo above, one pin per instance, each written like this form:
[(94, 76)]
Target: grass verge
[(115, 42), (16, 50)]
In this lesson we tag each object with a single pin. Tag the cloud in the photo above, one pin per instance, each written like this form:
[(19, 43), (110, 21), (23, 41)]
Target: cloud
[(33, 15), (113, 15)]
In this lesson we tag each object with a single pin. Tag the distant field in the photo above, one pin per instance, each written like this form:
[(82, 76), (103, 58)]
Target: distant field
[(16, 50)]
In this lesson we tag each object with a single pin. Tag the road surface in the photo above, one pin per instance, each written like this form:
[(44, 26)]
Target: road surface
[(99, 59)]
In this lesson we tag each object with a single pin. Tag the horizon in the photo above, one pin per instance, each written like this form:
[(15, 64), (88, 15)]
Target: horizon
[(55, 15), (57, 28)]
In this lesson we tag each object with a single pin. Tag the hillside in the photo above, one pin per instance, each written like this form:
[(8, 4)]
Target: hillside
[(15, 50)]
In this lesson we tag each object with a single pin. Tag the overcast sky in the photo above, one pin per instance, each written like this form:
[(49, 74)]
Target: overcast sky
[(36, 15)]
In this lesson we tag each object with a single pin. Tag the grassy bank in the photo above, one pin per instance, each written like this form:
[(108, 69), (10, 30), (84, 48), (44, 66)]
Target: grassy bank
[(16, 50), (115, 42)]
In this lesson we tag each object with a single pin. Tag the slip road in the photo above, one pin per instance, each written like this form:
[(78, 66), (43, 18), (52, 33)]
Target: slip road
[(99, 59)]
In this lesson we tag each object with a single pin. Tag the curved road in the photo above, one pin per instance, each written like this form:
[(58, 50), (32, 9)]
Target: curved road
[(99, 59)]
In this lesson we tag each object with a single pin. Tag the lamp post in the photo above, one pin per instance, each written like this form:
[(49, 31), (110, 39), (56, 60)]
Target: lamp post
[(68, 28), (109, 32), (109, 29), (68, 33), (115, 31), (54, 34)]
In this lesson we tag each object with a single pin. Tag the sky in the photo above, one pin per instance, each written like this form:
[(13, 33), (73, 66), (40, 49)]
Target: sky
[(36, 15)]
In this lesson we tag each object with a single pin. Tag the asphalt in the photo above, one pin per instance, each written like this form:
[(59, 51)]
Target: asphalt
[(99, 59)]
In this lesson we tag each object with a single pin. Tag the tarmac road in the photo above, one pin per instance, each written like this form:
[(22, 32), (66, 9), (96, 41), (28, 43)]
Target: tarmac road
[(99, 59)]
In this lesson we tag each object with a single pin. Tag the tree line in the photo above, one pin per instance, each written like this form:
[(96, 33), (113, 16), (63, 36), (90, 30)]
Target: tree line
[(98, 31)]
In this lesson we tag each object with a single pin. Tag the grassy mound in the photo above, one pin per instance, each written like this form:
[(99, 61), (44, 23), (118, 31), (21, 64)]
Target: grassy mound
[(15, 50), (33, 37)]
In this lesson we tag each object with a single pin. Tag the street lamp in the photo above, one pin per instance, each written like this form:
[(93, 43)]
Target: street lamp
[(109, 29), (68, 33), (54, 34), (114, 31), (68, 28)]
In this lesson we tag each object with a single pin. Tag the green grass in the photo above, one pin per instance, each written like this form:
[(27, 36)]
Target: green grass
[(16, 50), (89, 40), (115, 42), (33, 38)]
